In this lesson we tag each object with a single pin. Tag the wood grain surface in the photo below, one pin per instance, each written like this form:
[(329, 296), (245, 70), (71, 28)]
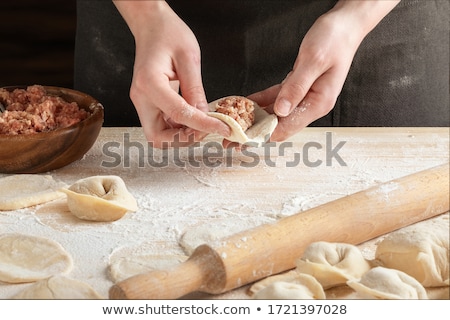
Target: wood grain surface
[(228, 190)]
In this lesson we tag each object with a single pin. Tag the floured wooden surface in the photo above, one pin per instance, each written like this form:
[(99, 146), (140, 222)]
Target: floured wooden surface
[(231, 189)]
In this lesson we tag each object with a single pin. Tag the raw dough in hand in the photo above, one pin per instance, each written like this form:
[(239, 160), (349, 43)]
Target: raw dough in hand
[(100, 198), (58, 287), (27, 258), (420, 250), (263, 125), (26, 190), (290, 285), (332, 264), (384, 283), (126, 267)]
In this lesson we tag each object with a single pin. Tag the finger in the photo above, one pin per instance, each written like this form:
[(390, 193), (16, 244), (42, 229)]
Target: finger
[(316, 104), (175, 85), (227, 144), (183, 113), (295, 86), (162, 132), (176, 138), (161, 135), (189, 74), (180, 112), (266, 97)]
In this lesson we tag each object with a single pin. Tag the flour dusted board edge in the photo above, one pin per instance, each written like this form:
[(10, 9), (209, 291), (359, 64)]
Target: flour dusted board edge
[(226, 194)]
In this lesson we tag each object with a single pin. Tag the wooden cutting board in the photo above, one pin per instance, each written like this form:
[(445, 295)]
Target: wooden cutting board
[(232, 190)]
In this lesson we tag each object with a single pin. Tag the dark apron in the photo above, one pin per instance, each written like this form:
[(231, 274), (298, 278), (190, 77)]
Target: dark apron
[(399, 77)]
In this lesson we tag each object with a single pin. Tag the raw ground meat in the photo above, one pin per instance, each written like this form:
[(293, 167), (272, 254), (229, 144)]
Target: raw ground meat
[(32, 110), (240, 109)]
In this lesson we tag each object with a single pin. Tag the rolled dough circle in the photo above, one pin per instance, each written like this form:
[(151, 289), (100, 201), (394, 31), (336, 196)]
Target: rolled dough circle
[(26, 258), (125, 267), (212, 233), (58, 287), (26, 190)]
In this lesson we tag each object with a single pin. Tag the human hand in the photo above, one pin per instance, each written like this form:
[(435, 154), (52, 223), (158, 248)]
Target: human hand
[(167, 60), (310, 90)]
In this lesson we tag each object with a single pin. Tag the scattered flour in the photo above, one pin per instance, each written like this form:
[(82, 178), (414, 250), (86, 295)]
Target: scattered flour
[(174, 199)]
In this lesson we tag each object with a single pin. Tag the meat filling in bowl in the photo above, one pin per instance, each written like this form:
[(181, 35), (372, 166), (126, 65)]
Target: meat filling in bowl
[(32, 110), (240, 109)]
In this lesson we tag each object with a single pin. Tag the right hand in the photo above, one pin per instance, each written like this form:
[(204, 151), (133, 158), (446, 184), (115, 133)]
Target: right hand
[(167, 60)]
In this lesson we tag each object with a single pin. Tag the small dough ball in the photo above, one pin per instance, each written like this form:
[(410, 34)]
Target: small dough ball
[(58, 287), (26, 190), (27, 258), (332, 264), (384, 283), (420, 250), (290, 285), (100, 198)]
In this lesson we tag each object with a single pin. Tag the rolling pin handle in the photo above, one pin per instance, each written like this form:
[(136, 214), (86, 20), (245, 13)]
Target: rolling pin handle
[(183, 279), (203, 271)]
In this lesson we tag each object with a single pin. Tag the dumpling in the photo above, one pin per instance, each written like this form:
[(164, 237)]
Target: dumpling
[(100, 198), (292, 285), (289, 276), (332, 264), (420, 250), (384, 283), (249, 123)]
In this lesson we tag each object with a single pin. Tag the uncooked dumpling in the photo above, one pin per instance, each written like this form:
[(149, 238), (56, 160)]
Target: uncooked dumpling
[(332, 264), (27, 258), (290, 285), (26, 190), (290, 290), (420, 250), (384, 283), (289, 276), (100, 198), (58, 287), (125, 267), (262, 127)]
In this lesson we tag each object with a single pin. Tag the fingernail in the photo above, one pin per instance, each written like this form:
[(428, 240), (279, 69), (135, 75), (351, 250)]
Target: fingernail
[(283, 107)]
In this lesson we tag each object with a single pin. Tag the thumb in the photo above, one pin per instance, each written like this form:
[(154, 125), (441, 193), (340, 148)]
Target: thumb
[(294, 88)]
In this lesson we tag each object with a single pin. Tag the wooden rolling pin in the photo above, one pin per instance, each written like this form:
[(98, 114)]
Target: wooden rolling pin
[(272, 248)]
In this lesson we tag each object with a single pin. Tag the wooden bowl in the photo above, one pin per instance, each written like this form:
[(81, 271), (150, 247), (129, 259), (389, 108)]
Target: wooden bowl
[(46, 151)]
